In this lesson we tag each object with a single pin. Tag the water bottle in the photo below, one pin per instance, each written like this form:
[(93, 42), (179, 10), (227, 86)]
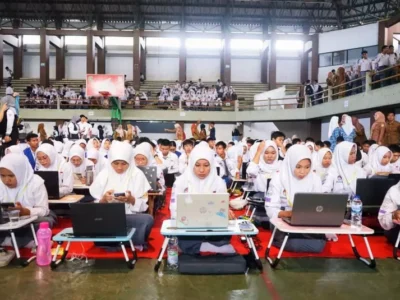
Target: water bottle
[(89, 176), (43, 252), (356, 212), (172, 251)]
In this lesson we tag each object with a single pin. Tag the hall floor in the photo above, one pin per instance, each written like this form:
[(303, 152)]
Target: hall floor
[(295, 278)]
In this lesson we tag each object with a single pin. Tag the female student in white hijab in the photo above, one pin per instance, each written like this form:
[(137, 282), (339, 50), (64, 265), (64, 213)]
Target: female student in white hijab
[(314, 154), (379, 164), (67, 147), (343, 174), (200, 177), (264, 164), (82, 143), (99, 162), (105, 147), (19, 185), (93, 143), (78, 164), (122, 176), (295, 176), (48, 160), (323, 163), (389, 214), (143, 156), (13, 149)]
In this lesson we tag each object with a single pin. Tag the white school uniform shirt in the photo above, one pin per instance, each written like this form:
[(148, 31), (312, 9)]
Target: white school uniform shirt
[(392, 59), (30, 191), (85, 128), (231, 165), (390, 204), (170, 162), (365, 64), (183, 162), (374, 166), (133, 180), (396, 167), (65, 174), (71, 129), (284, 185), (381, 60)]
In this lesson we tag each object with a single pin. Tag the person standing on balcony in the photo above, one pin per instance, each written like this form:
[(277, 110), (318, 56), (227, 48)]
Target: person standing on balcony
[(341, 82), (378, 128), (318, 93), (382, 62), (364, 66), (392, 132), (309, 92), (392, 62), (10, 75)]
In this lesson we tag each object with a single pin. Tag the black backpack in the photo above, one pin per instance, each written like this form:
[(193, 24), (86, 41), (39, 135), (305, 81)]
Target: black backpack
[(309, 90)]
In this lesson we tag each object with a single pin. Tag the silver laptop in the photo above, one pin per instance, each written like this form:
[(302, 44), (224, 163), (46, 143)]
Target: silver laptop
[(202, 211), (151, 175), (315, 209)]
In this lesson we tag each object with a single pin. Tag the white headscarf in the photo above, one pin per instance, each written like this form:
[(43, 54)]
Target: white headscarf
[(314, 154), (371, 152), (77, 151), (253, 150), (349, 172), (90, 144), (145, 149), (108, 179), (55, 160), (81, 141), (190, 183), (291, 184), (264, 166), (333, 124), (318, 167), (102, 149), (67, 147), (19, 165), (59, 147), (348, 126), (14, 149), (377, 158)]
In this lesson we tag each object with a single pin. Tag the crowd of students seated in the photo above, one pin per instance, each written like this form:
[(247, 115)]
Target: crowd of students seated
[(40, 95), (279, 168)]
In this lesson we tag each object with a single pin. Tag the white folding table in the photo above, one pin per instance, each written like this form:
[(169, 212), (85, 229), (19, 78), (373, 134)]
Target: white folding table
[(68, 199), (11, 227), (169, 230), (284, 227)]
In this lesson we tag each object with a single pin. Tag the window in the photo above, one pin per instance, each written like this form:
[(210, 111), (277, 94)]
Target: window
[(353, 56), (246, 44), (325, 60), (203, 43), (289, 45), (372, 51), (164, 42), (339, 58), (31, 39), (75, 40)]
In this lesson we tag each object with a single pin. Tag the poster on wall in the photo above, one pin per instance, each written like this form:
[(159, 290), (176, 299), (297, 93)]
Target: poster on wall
[(96, 83)]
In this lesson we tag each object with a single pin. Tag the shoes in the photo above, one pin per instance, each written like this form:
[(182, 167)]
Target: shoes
[(6, 257)]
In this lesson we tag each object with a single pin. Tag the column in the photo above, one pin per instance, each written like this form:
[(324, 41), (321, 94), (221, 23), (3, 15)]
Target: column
[(304, 66), (272, 63), (18, 57), (60, 59), (314, 57), (1, 60), (90, 53), (44, 58), (101, 58), (182, 58), (264, 63), (226, 60), (143, 57), (136, 60)]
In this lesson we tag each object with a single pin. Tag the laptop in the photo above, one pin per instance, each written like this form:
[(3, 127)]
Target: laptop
[(51, 183), (372, 191), (395, 176), (202, 211), (315, 209), (98, 220), (151, 175)]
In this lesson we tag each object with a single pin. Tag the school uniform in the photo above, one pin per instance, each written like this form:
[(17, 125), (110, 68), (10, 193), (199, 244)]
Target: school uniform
[(280, 196), (227, 168), (363, 161), (77, 151), (170, 167), (30, 155), (30, 192), (319, 169), (73, 130), (390, 204), (103, 151), (183, 162), (190, 183), (262, 172), (134, 181), (57, 163), (396, 167), (342, 176), (374, 166)]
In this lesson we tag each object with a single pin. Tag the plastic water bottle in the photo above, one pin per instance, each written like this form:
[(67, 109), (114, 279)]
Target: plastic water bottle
[(43, 252), (356, 212), (172, 253)]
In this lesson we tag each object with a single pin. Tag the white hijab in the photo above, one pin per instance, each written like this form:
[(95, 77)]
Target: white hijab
[(348, 126), (377, 158), (190, 183), (77, 151), (108, 179), (19, 165), (319, 168), (55, 160), (348, 172), (14, 149), (264, 166), (67, 147), (81, 141), (371, 152), (290, 183), (59, 147), (253, 150), (314, 154), (103, 150), (333, 124), (145, 149), (90, 144)]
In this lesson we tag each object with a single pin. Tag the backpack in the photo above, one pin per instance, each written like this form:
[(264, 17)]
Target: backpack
[(309, 90)]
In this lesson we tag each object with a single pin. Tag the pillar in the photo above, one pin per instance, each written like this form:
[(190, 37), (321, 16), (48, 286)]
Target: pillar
[(44, 58), (1, 60), (226, 60), (314, 57), (304, 66), (182, 59), (60, 60), (272, 63), (136, 60), (264, 63), (18, 56), (90, 53), (101, 58), (143, 55)]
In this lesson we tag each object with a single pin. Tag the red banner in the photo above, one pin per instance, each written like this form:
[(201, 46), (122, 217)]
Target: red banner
[(111, 83)]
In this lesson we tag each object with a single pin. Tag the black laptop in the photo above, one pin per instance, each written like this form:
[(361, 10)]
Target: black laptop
[(395, 177), (98, 219), (372, 191), (51, 183), (315, 209)]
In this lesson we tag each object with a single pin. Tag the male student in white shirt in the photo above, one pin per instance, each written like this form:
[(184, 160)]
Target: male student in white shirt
[(169, 159), (85, 129), (364, 66), (226, 168), (395, 162), (382, 62), (187, 146)]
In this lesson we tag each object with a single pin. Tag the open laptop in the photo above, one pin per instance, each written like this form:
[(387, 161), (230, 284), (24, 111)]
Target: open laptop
[(395, 176), (372, 191), (98, 220), (51, 183), (151, 175), (315, 209), (202, 211)]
